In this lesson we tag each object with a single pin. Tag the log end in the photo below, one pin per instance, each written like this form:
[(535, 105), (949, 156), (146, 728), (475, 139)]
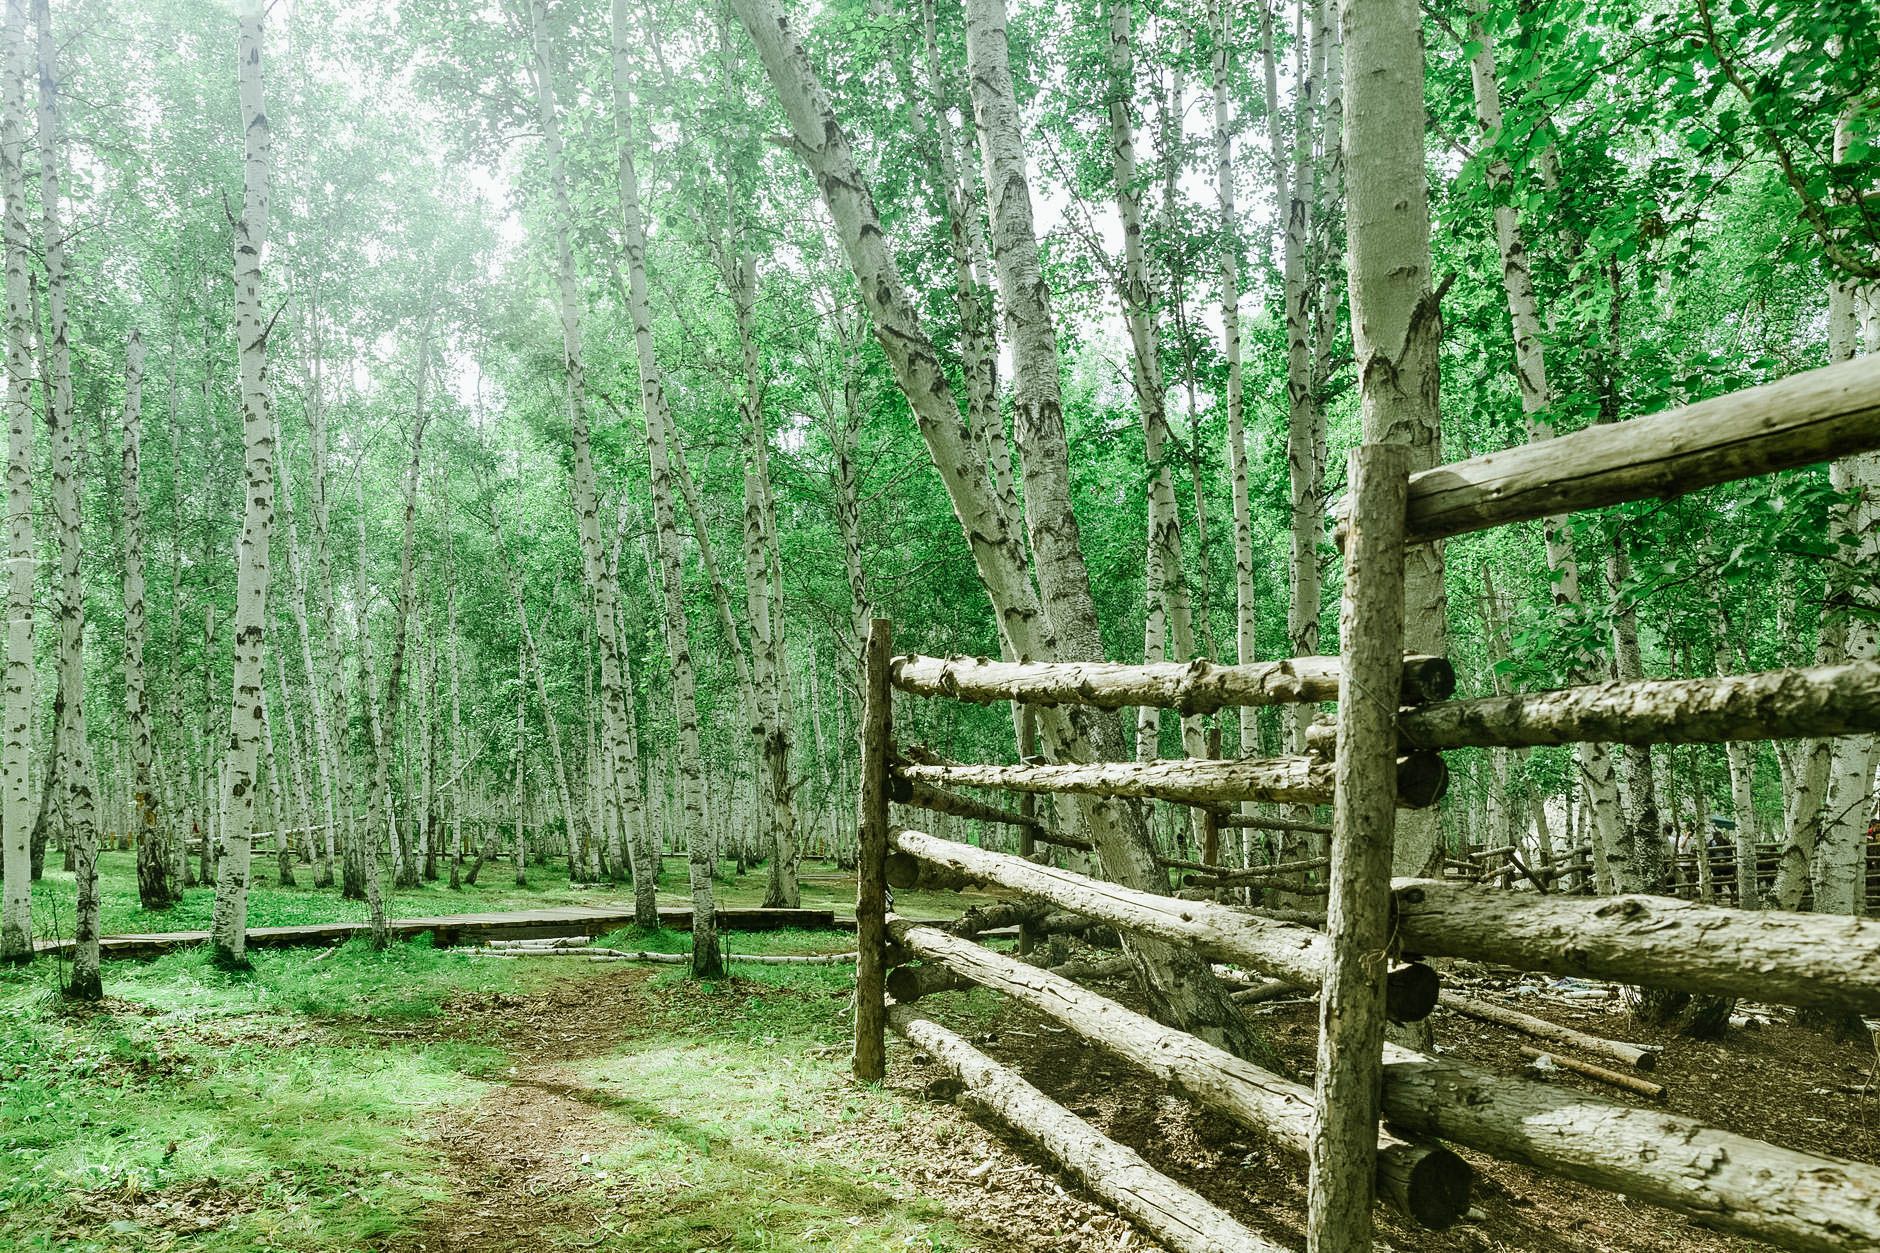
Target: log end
[(1410, 992), (903, 870), (904, 985), (1428, 679), (1422, 779), (1426, 1181)]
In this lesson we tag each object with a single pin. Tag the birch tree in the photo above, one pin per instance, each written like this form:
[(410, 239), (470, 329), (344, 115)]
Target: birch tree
[(154, 888), (252, 325), (1060, 619), (16, 922)]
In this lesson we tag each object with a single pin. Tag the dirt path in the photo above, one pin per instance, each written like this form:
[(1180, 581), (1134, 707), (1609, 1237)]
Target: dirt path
[(514, 1160)]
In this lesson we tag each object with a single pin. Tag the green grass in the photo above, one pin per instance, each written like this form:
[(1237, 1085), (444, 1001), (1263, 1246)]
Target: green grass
[(271, 905), (288, 1106), (221, 1112)]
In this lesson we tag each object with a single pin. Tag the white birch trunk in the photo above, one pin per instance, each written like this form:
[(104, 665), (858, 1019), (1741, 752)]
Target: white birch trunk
[(1177, 983), (154, 887), (251, 596), (706, 960)]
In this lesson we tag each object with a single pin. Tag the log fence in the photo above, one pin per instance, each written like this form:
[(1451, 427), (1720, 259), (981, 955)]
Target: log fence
[(1364, 962)]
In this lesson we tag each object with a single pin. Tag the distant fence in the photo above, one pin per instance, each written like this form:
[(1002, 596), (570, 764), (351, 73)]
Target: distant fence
[(1394, 718)]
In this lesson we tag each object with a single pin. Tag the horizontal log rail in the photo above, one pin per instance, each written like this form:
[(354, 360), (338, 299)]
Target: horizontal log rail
[(1427, 1182), (940, 801), (1259, 822), (1192, 687), (1422, 778), (1812, 702), (1284, 950), (1804, 419), (1822, 961), (1179, 1217), (1730, 1182)]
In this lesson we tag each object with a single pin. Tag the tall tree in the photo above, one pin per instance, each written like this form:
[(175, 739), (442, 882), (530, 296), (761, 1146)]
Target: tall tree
[(154, 887), (16, 920), (252, 326)]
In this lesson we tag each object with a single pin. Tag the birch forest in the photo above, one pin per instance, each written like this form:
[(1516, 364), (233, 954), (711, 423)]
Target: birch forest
[(553, 546)]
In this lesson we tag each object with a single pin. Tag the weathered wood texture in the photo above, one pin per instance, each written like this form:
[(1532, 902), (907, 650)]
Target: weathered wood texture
[(1801, 420), (1192, 687), (1260, 822), (1487, 1011), (1283, 950), (1422, 778), (940, 801), (1792, 1199), (1342, 1154), (1428, 1183), (871, 890), (1768, 705), (453, 929), (1819, 960), (1181, 1219)]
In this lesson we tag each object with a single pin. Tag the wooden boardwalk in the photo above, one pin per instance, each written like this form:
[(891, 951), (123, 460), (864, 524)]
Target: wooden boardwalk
[(458, 929)]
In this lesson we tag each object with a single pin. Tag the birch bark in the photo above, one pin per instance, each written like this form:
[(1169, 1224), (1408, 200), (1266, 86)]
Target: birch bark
[(1595, 763), (1246, 647), (251, 596), (706, 959), (1178, 985), (16, 923), (154, 889)]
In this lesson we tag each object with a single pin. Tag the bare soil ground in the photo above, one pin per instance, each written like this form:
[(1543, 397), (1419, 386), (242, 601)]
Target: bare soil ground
[(515, 1159)]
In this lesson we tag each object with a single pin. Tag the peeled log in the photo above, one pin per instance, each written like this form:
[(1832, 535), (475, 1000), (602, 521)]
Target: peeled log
[(1427, 1182), (1194, 687), (1281, 949), (1819, 960), (1806, 418), (1182, 1219), (1487, 1011), (1770, 705), (1422, 778), (1730, 1182), (925, 796)]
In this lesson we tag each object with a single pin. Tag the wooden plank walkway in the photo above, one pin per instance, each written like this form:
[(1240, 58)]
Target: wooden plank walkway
[(458, 929)]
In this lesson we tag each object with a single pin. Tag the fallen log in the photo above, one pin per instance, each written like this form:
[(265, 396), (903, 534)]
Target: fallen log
[(1730, 1182), (1427, 1182), (1631, 1083), (669, 959), (1270, 990), (1806, 418), (1628, 1054), (1283, 950), (1180, 1218), (1817, 960), (1422, 778), (1193, 687)]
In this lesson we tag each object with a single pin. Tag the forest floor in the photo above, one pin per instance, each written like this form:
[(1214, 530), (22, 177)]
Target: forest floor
[(426, 1101)]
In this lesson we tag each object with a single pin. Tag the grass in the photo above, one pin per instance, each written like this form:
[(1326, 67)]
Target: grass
[(270, 905), (290, 1106), (216, 1112)]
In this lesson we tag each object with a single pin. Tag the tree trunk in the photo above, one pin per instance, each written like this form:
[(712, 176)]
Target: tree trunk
[(1246, 647), (1064, 623), (251, 597), (706, 959), (154, 888), (653, 398)]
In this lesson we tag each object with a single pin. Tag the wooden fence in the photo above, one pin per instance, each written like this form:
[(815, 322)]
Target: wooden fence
[(1394, 718)]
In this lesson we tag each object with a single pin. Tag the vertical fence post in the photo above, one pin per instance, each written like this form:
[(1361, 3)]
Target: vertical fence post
[(1027, 808), (871, 862), (1343, 1150)]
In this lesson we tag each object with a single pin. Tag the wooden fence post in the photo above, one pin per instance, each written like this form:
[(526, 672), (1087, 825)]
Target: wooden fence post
[(871, 900), (1343, 1153)]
